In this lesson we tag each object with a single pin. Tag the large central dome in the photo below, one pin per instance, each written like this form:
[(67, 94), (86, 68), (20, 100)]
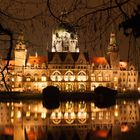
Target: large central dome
[(64, 38)]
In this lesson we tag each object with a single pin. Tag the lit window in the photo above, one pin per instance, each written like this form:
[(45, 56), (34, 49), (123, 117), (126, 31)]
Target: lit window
[(82, 76), (56, 76), (28, 77), (106, 78), (43, 65), (82, 106), (100, 78), (92, 77), (43, 78), (107, 115), (100, 115), (36, 77), (115, 79), (93, 115), (93, 87), (19, 78), (13, 79), (69, 76), (43, 115), (82, 87), (69, 87), (69, 106), (19, 114), (28, 114)]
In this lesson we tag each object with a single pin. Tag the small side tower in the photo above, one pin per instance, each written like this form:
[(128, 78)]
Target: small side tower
[(20, 52), (113, 52), (20, 60)]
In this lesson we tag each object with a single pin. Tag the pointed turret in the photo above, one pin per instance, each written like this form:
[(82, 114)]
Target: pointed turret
[(113, 52), (21, 38), (20, 44), (113, 47), (20, 51)]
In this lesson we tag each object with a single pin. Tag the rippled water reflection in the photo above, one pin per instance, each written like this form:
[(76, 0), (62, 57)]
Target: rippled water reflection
[(71, 121)]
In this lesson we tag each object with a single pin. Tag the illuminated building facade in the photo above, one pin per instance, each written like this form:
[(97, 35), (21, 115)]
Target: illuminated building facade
[(66, 67)]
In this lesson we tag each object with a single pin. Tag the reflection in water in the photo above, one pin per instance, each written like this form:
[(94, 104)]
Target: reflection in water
[(84, 121)]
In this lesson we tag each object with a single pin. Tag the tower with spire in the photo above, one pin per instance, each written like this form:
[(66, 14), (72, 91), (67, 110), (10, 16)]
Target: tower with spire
[(20, 52), (113, 52)]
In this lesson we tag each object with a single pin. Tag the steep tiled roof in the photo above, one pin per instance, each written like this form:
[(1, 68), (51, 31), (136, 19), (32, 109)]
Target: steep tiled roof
[(11, 62), (37, 60), (62, 56), (99, 60)]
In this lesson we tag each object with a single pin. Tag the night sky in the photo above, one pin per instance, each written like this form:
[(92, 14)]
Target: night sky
[(94, 21)]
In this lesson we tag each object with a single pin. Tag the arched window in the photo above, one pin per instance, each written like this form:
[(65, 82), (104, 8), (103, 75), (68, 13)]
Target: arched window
[(28, 77), (100, 78), (93, 77), (43, 65), (69, 76), (82, 76), (69, 87), (56, 76), (36, 77), (43, 78), (82, 87), (19, 78), (106, 77)]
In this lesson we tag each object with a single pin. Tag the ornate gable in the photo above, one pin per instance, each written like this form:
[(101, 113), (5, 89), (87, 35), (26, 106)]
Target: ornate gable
[(81, 59), (56, 59), (69, 59)]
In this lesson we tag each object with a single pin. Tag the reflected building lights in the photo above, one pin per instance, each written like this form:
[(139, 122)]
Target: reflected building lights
[(139, 101), (19, 114), (78, 115)]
